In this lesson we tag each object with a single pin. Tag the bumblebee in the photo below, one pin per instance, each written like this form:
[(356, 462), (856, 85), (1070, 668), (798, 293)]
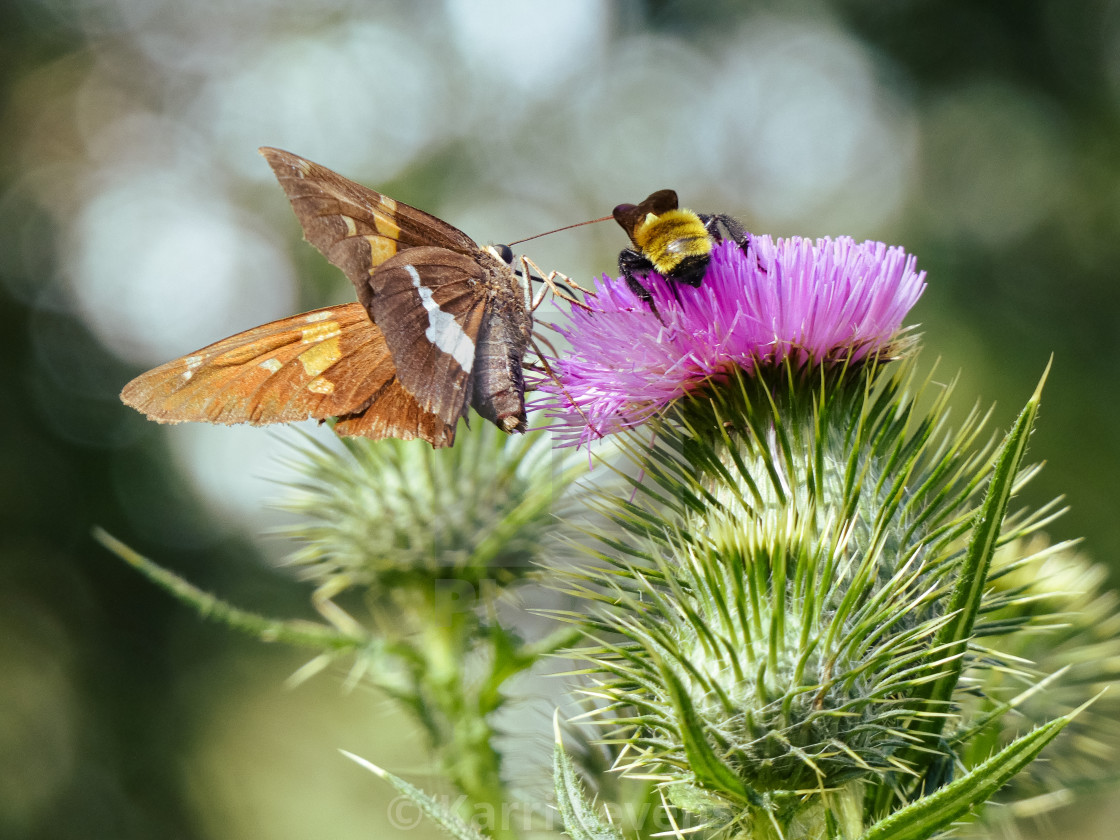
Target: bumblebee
[(674, 242)]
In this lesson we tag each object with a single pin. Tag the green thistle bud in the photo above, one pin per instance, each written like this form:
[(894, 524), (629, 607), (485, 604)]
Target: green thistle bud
[(783, 607), (393, 513), (1057, 617)]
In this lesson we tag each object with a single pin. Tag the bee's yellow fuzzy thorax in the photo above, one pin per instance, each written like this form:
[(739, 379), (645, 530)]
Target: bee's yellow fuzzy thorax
[(672, 237)]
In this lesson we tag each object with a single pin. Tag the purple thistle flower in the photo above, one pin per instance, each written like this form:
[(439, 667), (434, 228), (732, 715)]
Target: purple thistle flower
[(812, 303)]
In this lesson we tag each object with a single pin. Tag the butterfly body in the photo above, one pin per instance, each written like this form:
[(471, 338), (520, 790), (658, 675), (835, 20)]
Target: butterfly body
[(440, 324), (479, 354), (675, 242)]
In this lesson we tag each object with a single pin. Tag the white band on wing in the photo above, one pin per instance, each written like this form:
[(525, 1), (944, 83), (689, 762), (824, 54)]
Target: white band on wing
[(443, 330)]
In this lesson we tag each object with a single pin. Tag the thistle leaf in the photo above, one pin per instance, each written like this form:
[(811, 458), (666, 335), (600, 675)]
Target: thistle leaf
[(581, 820), (933, 813), (968, 591), (710, 772), (964, 603), (438, 813)]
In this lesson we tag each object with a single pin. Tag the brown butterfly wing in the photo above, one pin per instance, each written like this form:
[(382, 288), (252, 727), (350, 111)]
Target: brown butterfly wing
[(430, 304), (332, 362), (356, 228), (394, 413)]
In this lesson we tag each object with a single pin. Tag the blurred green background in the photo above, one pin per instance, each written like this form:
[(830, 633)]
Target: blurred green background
[(137, 223)]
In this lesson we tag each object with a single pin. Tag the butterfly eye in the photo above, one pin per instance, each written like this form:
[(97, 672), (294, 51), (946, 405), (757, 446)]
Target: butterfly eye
[(505, 252)]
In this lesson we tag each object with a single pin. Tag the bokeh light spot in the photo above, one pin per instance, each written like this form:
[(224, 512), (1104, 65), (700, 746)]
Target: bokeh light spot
[(162, 268)]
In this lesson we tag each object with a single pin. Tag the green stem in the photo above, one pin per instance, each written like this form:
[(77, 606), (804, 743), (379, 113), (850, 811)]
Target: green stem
[(459, 729), (294, 632)]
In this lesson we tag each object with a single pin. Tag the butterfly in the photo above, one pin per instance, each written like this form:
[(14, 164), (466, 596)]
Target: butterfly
[(675, 242), (441, 325)]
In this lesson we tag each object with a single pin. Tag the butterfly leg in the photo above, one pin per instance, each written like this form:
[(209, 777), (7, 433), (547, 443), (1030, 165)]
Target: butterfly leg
[(555, 378), (560, 285), (551, 347), (531, 302), (543, 364), (566, 282), (554, 282), (536, 301)]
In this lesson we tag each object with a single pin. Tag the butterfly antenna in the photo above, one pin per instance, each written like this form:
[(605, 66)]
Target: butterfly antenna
[(557, 230)]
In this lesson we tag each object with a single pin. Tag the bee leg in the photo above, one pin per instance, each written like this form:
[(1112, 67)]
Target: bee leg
[(732, 229), (690, 271), (630, 264)]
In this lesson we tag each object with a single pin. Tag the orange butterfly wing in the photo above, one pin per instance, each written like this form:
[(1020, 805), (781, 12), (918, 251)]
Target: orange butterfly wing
[(331, 362)]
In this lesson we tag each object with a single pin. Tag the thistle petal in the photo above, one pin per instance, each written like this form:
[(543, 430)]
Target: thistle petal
[(785, 300)]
